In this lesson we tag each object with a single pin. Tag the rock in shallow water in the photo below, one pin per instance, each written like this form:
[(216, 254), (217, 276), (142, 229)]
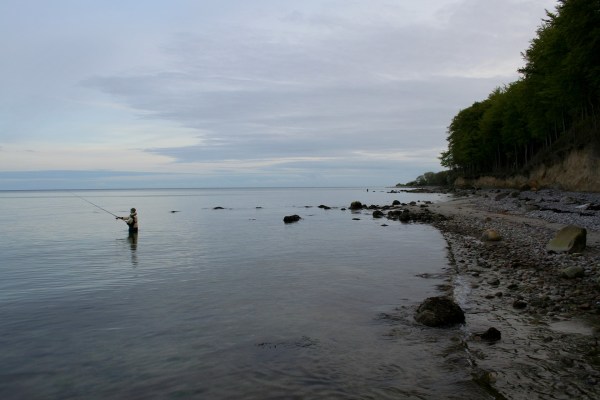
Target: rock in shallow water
[(356, 205), (439, 312), (291, 218), (491, 335)]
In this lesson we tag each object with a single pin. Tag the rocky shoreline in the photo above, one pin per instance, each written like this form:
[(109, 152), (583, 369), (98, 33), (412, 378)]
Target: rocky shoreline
[(531, 316), (549, 319)]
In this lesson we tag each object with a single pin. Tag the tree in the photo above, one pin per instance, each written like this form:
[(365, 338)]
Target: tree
[(559, 88)]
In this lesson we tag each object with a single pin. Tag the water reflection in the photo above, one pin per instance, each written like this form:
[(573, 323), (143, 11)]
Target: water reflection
[(132, 240)]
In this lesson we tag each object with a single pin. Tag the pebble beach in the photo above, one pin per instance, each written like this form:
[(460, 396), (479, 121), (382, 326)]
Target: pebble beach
[(546, 305)]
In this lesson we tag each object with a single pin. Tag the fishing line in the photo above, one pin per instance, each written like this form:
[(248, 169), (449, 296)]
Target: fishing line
[(95, 205)]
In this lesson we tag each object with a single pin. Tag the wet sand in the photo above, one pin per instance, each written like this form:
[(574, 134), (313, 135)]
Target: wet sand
[(550, 325)]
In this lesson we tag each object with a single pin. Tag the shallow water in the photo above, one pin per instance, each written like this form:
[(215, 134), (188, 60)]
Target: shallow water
[(220, 303)]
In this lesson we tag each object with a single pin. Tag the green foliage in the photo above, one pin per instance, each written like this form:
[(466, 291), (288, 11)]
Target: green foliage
[(559, 89), (442, 178)]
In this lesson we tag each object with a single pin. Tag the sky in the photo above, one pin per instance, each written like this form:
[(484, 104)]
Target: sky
[(244, 93)]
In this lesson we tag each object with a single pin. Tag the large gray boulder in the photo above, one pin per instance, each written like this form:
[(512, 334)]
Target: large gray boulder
[(439, 312), (570, 239)]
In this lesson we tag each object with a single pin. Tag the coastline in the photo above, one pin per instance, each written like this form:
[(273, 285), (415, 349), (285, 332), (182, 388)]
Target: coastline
[(550, 325)]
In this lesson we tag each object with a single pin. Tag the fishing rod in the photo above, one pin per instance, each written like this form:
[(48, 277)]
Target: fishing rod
[(95, 205)]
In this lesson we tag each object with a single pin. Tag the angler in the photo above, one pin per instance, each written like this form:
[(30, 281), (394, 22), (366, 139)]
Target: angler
[(131, 221)]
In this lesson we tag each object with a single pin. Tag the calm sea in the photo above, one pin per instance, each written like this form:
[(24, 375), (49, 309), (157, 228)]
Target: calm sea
[(224, 303)]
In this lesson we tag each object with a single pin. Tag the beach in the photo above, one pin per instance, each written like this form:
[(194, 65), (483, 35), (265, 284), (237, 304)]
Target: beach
[(549, 321)]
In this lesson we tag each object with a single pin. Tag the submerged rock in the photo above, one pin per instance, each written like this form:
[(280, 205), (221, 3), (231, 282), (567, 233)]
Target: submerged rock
[(570, 239), (439, 312)]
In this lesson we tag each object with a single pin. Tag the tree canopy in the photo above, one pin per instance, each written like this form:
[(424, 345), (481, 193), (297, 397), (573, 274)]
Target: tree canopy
[(559, 88)]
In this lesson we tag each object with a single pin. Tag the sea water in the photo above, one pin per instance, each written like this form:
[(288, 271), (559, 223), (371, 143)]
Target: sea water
[(217, 298)]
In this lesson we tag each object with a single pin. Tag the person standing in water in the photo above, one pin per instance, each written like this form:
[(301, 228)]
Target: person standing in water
[(131, 221)]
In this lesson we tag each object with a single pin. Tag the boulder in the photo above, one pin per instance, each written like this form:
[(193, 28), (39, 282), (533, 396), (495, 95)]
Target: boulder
[(377, 214), (394, 214), (439, 312), (573, 272), (501, 196), (356, 205), (291, 218), (491, 335), (519, 304), (404, 216), (570, 239), (490, 235)]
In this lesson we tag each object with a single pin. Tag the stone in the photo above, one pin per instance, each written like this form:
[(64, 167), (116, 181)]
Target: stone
[(439, 312), (356, 205), (573, 272), (501, 196), (494, 281), (519, 304), (490, 235), (531, 207), (491, 335), (570, 239), (567, 200), (404, 216), (288, 219), (377, 214)]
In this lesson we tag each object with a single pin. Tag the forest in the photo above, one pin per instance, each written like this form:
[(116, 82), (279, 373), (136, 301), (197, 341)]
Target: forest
[(555, 100)]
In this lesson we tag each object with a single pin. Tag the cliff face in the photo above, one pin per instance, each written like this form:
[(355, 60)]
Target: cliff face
[(578, 172)]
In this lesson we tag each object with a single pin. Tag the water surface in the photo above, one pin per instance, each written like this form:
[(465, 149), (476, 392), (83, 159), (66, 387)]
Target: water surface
[(220, 303)]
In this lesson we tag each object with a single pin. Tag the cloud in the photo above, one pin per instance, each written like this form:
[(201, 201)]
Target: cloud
[(264, 87), (297, 90)]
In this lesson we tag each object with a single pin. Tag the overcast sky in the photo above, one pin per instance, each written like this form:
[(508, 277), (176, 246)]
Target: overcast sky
[(221, 93)]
